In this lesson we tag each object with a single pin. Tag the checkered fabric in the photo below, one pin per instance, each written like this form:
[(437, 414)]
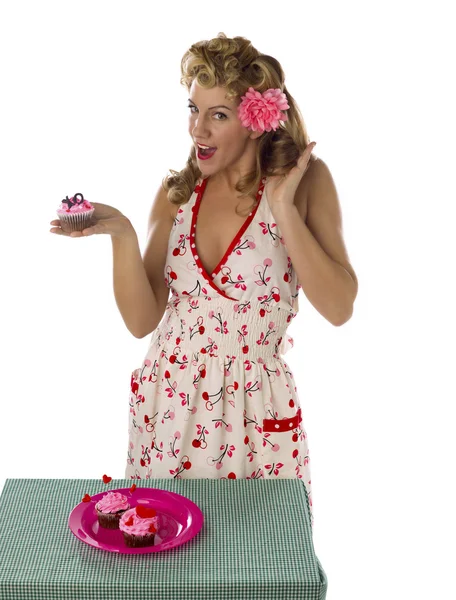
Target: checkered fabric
[(256, 542)]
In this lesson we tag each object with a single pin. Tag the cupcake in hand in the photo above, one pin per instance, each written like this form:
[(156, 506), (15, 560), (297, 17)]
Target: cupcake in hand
[(104, 219), (75, 213)]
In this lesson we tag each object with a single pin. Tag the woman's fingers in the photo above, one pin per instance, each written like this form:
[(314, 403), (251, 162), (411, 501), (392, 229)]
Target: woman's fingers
[(98, 228), (58, 231), (84, 233), (113, 226)]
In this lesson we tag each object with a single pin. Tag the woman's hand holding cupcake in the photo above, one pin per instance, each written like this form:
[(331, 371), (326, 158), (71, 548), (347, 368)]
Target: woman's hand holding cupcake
[(105, 219)]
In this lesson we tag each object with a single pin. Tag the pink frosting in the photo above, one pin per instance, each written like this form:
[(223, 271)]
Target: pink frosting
[(112, 502), (140, 525), (76, 208)]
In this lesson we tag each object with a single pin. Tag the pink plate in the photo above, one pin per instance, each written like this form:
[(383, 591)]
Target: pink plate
[(180, 520)]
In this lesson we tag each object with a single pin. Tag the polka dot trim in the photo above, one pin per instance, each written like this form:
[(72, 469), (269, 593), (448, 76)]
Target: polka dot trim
[(210, 278), (278, 425)]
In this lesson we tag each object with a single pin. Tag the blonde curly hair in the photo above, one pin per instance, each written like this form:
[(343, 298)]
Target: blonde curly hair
[(235, 64)]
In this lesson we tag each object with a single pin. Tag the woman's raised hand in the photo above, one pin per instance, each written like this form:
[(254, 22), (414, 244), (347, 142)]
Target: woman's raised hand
[(105, 219)]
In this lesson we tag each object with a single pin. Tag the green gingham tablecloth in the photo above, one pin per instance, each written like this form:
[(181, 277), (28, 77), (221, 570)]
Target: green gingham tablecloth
[(256, 542)]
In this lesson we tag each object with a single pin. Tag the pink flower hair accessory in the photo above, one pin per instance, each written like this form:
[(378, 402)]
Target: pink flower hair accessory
[(262, 112)]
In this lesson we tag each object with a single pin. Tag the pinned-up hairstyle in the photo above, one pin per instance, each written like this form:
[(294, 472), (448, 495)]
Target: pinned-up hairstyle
[(233, 63)]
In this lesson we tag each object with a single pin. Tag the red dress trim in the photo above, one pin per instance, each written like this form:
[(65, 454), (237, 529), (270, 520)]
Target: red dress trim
[(282, 424), (210, 280)]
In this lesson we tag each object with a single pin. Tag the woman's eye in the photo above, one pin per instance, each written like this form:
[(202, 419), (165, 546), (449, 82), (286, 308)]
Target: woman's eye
[(217, 113)]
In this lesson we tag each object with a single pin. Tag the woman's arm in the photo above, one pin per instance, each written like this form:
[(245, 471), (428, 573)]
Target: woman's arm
[(135, 298)]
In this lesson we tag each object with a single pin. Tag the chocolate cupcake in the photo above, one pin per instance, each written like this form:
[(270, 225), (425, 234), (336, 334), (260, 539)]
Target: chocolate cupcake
[(139, 526), (75, 213), (110, 509)]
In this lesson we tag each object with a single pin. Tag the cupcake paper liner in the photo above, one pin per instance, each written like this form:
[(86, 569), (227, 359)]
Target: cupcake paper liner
[(138, 541), (75, 221), (109, 520)]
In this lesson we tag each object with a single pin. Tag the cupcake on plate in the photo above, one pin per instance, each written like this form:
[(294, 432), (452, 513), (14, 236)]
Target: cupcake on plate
[(139, 526), (75, 213), (110, 509)]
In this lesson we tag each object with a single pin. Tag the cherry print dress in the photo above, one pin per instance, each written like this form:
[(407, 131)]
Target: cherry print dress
[(214, 397)]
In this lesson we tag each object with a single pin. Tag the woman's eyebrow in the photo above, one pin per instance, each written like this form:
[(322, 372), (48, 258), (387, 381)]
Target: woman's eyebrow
[(211, 107)]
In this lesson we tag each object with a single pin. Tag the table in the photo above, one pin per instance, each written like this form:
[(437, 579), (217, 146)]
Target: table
[(255, 542)]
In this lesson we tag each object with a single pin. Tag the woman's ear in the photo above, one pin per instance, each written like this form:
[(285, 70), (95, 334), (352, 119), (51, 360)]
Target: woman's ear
[(255, 134)]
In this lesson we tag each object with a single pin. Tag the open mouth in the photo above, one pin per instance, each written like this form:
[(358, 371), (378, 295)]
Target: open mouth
[(205, 153)]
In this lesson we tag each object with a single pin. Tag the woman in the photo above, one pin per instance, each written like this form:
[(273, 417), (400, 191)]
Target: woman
[(234, 235)]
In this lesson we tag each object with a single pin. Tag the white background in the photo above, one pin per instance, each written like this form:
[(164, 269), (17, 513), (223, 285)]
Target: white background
[(92, 103)]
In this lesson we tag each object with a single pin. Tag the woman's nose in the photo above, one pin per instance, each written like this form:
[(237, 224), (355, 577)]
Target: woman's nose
[(199, 128)]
